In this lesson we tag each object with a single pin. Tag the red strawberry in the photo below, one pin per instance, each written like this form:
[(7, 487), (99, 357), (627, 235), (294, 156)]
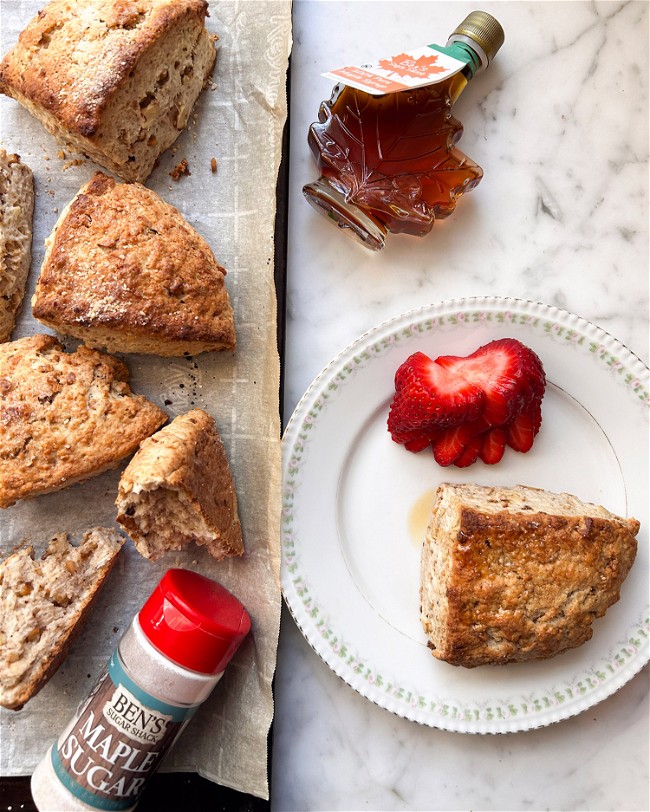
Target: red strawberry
[(451, 444), (471, 452), (418, 443), (428, 398), (521, 432), (469, 407), (494, 444), (510, 374)]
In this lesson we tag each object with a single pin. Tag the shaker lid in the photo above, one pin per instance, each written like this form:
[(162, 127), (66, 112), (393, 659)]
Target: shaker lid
[(194, 621)]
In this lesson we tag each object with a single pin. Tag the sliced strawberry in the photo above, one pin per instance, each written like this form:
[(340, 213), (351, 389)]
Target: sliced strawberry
[(494, 444), (409, 437), (521, 432), (451, 444), (428, 398), (469, 407), (510, 374), (470, 453), (418, 443)]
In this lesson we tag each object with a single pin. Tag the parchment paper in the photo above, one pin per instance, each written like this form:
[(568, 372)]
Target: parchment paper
[(238, 120)]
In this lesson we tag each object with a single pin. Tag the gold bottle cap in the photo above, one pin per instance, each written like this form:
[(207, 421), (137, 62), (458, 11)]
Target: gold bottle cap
[(482, 29)]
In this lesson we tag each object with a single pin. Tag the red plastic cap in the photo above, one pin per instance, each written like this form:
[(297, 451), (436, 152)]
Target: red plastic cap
[(194, 621)]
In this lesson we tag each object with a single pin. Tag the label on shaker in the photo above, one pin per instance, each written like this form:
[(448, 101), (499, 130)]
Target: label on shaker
[(116, 741), (409, 69)]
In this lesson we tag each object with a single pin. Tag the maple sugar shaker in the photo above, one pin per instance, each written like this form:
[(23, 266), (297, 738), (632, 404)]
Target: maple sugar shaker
[(385, 141), (166, 664)]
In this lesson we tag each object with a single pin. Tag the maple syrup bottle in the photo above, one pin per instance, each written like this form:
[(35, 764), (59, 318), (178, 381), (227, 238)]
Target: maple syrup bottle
[(388, 162)]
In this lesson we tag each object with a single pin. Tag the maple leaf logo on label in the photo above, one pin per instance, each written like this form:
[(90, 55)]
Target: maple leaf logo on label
[(414, 68), (406, 65)]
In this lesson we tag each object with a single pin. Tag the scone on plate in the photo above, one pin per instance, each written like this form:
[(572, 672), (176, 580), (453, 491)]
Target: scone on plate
[(178, 489), (512, 574), (64, 416), (114, 80), (16, 212), (43, 603), (124, 271)]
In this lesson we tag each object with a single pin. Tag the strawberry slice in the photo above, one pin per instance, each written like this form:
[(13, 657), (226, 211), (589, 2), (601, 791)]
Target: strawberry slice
[(470, 407), (418, 442), (521, 432), (428, 398), (470, 453), (493, 446), (451, 444), (509, 372)]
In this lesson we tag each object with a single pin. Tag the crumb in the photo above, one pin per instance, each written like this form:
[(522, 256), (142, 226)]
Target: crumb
[(213, 165), (75, 162), (60, 154), (181, 169)]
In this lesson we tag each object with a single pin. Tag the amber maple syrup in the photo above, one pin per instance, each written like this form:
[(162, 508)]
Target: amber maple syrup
[(389, 163)]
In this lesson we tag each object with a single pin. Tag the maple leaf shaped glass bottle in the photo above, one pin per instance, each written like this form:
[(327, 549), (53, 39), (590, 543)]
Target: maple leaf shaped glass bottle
[(388, 162)]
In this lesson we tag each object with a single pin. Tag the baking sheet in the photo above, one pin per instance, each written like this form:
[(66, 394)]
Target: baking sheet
[(238, 120)]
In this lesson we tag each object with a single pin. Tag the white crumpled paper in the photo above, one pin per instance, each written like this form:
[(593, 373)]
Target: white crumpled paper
[(238, 120)]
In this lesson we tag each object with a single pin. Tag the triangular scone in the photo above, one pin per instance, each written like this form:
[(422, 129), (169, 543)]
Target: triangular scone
[(64, 417), (513, 574), (114, 79), (43, 604), (124, 271), (178, 489)]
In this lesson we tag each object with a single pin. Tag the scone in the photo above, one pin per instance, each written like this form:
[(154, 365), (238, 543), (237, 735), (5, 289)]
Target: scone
[(43, 603), (16, 213), (178, 489), (64, 417), (124, 271), (513, 574), (115, 80)]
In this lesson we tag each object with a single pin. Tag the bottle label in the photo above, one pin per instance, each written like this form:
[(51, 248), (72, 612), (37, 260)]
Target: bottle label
[(116, 741), (409, 69)]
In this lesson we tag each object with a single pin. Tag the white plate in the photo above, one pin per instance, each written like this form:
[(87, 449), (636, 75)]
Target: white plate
[(355, 507)]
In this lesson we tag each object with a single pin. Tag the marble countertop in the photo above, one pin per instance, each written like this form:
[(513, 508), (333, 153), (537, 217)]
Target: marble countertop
[(559, 124)]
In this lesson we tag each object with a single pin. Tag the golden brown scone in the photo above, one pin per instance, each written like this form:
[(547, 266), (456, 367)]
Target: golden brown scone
[(43, 604), (124, 271), (512, 574), (16, 213), (178, 489), (64, 417), (115, 80)]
